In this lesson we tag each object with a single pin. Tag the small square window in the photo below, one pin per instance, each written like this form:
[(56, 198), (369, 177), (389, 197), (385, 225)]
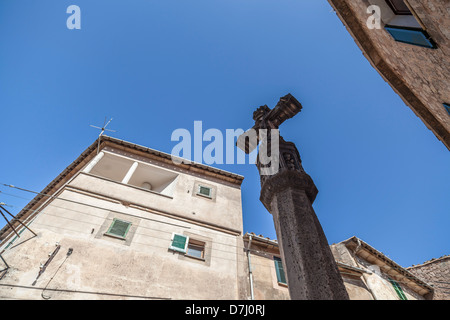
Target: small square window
[(205, 191), (409, 35), (196, 249), (118, 228)]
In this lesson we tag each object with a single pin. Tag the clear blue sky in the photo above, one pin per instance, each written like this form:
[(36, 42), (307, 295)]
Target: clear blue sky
[(158, 65)]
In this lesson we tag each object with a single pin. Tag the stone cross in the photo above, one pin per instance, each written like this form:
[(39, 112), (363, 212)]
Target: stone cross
[(310, 267)]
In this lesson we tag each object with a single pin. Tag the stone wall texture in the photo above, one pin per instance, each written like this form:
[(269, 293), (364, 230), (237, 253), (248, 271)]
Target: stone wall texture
[(435, 272), (420, 76)]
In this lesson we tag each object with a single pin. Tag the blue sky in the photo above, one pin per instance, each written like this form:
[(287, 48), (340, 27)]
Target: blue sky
[(155, 66)]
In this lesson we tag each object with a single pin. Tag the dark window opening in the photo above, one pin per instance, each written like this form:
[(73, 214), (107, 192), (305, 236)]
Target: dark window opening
[(447, 107), (399, 7)]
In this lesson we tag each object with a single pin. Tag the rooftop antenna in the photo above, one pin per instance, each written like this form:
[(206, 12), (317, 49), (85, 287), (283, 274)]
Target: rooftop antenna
[(103, 129)]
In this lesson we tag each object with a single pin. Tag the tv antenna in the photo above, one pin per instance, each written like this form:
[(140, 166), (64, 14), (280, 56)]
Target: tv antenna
[(103, 129)]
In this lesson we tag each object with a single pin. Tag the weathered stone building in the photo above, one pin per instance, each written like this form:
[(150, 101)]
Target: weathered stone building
[(367, 273), (436, 272), (408, 43)]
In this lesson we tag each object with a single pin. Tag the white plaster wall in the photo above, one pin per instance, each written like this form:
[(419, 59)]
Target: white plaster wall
[(143, 266), (224, 210)]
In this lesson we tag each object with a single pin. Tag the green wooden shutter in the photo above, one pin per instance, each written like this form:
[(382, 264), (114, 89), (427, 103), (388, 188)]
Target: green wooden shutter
[(398, 289), (281, 277), (119, 228), (179, 242)]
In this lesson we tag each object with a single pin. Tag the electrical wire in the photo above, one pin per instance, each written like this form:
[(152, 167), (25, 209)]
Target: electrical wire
[(125, 213), (145, 235), (93, 206), (220, 257), (69, 252), (153, 245), (83, 292), (212, 256), (136, 233), (85, 204)]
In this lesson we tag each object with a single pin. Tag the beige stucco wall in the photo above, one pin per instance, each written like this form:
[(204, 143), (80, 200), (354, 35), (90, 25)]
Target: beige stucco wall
[(102, 267), (380, 286), (265, 284)]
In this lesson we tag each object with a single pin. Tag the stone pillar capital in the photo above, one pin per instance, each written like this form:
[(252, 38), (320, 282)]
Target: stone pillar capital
[(284, 180)]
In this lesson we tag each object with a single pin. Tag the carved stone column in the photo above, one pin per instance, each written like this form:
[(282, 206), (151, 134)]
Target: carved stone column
[(288, 195)]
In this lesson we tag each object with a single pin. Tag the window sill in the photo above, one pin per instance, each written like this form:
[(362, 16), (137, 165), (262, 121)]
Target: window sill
[(281, 284), (114, 236), (196, 258), (204, 196)]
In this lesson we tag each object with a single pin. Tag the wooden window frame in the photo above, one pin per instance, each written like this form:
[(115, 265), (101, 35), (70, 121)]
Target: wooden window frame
[(391, 5), (198, 244)]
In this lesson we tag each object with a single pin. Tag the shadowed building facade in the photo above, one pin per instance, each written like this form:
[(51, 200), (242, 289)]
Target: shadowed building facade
[(410, 50), (366, 272)]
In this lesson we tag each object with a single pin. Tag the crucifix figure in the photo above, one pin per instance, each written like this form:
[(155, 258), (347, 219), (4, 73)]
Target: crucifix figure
[(288, 194)]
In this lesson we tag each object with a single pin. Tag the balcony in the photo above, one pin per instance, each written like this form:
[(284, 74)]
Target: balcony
[(134, 173)]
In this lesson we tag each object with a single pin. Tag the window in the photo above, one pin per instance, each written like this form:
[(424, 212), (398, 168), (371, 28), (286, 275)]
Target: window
[(179, 242), (196, 249), (404, 26), (281, 277), (415, 36), (399, 7), (447, 107), (398, 289), (190, 247), (204, 191), (118, 228)]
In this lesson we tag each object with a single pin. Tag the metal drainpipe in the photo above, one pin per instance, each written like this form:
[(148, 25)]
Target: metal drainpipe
[(365, 276), (250, 272)]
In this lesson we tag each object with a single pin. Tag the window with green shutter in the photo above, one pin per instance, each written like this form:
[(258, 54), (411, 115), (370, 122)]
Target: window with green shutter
[(119, 228), (398, 289), (179, 242), (281, 277)]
